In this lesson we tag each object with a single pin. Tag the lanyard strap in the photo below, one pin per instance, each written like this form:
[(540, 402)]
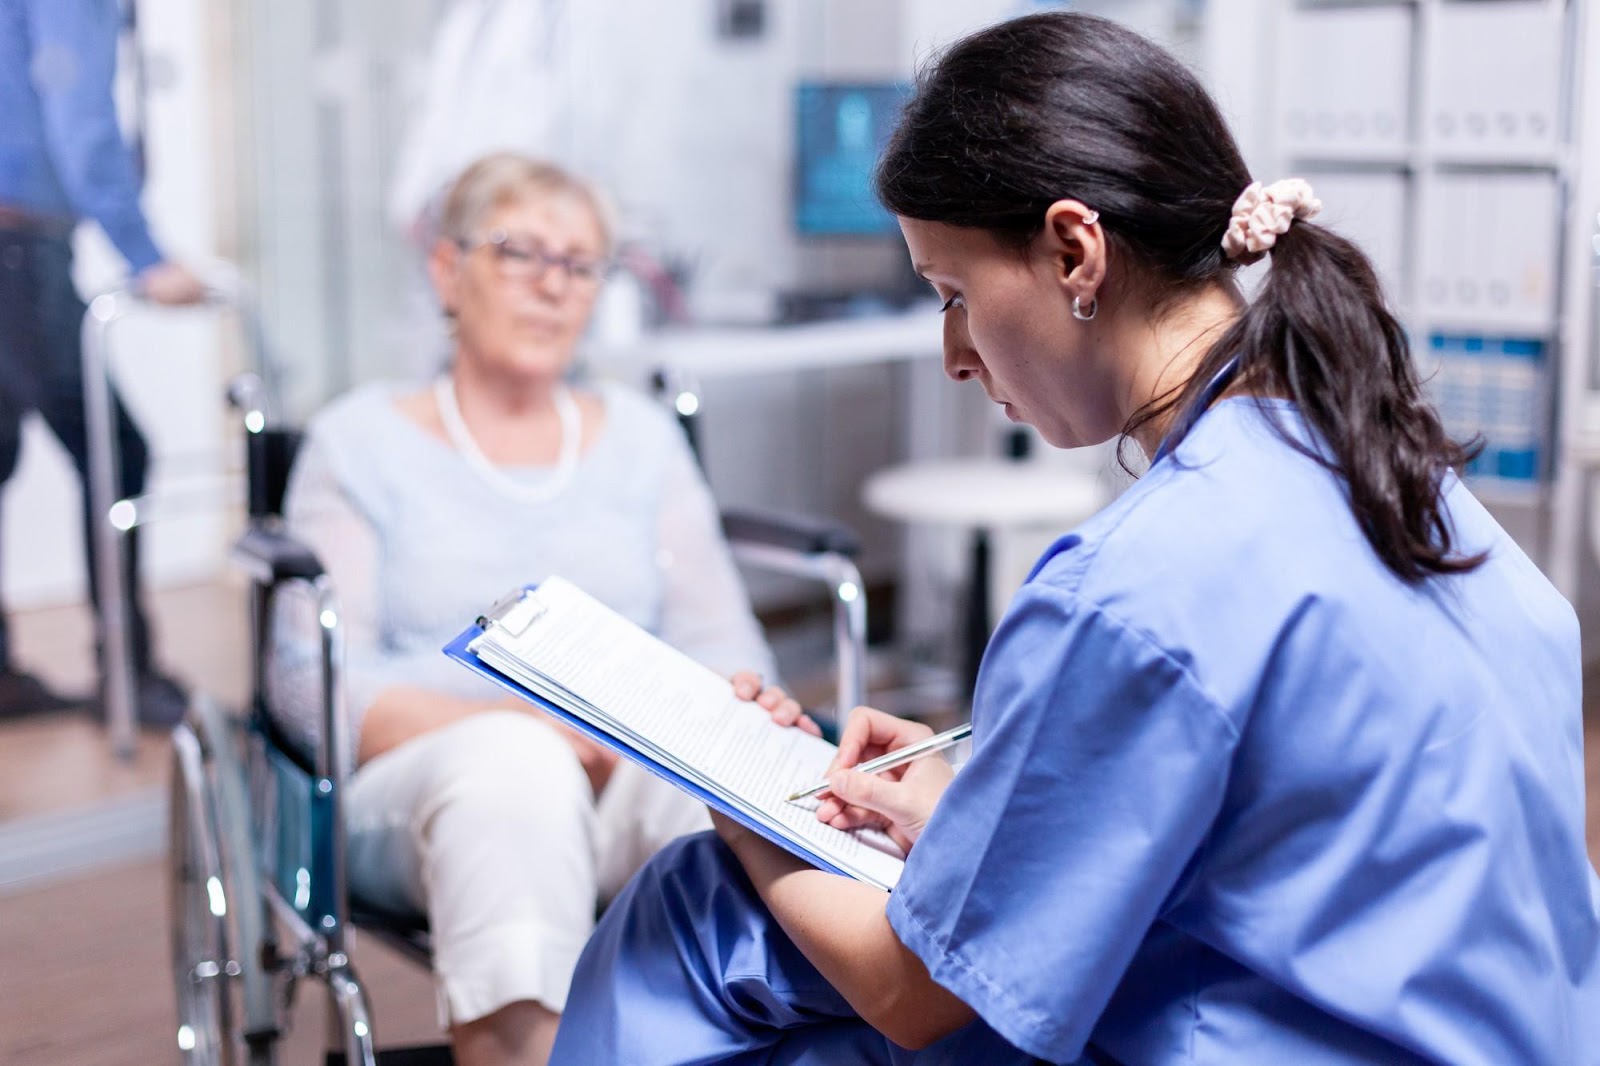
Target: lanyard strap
[(1202, 403)]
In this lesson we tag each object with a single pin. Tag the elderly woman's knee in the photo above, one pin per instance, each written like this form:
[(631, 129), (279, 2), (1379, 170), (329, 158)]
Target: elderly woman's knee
[(506, 761)]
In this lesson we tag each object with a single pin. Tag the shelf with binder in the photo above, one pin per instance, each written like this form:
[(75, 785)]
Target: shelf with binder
[(1504, 494), (1494, 78), (1329, 106), (1355, 158), (1465, 157), (1496, 390), (1489, 252), (1461, 195)]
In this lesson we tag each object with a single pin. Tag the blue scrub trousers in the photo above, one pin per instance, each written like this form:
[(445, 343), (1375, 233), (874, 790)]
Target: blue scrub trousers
[(688, 966)]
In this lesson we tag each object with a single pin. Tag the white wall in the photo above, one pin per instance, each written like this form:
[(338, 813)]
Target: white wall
[(170, 364)]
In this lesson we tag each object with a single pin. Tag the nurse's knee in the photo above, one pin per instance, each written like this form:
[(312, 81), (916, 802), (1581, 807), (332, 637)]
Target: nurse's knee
[(692, 909), (685, 874)]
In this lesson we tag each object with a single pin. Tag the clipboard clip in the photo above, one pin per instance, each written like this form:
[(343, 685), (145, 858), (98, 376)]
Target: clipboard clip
[(514, 612)]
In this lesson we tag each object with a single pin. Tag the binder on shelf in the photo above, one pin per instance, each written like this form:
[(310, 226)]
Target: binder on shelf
[(1489, 253), (574, 658), (1347, 74), (1369, 208), (1493, 388), (1496, 81)]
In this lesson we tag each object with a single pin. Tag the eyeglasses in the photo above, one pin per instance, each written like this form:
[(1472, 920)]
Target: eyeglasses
[(525, 260)]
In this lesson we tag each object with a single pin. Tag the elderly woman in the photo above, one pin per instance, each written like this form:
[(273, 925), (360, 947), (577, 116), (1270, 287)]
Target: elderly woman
[(424, 505)]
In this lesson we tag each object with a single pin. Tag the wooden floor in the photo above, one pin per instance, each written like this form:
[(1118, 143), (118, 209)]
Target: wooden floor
[(61, 761), (84, 976), (84, 980)]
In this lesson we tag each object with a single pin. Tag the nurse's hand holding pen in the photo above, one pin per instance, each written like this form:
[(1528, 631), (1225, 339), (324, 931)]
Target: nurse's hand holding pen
[(898, 801)]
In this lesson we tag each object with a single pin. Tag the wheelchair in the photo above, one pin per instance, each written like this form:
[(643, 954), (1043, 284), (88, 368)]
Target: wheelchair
[(258, 890)]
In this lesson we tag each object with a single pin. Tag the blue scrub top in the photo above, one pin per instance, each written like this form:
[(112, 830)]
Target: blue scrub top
[(1239, 795)]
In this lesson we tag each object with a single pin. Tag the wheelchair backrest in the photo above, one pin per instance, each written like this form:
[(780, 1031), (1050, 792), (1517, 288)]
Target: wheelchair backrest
[(269, 456)]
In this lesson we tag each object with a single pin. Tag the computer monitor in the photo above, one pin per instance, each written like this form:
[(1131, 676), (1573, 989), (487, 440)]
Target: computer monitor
[(841, 129)]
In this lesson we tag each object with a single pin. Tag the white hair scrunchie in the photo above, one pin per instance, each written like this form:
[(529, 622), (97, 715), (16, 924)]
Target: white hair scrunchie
[(1263, 213)]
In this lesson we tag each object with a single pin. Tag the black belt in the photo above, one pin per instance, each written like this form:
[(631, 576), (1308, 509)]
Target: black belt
[(28, 224)]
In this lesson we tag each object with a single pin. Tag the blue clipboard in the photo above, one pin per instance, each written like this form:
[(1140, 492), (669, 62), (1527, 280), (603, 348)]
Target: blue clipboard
[(458, 650)]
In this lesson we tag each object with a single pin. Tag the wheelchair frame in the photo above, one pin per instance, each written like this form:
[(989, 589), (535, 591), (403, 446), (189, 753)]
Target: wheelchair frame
[(232, 979), (788, 544)]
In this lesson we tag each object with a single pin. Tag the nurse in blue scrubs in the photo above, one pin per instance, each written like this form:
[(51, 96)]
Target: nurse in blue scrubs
[(1278, 759)]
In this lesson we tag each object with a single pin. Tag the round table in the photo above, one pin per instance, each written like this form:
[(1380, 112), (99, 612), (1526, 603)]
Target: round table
[(985, 497)]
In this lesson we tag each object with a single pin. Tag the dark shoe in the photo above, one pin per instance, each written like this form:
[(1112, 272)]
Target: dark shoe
[(162, 701), (23, 694), (159, 702)]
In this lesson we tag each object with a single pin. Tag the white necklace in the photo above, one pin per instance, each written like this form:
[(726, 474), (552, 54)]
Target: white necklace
[(543, 491)]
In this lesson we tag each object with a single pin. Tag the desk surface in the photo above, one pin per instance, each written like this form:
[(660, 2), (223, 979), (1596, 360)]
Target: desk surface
[(728, 351)]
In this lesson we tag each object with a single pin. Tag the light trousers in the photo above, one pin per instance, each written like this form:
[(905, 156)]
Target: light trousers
[(490, 828)]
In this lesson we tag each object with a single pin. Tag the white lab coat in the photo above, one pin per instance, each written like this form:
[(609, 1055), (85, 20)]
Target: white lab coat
[(499, 78)]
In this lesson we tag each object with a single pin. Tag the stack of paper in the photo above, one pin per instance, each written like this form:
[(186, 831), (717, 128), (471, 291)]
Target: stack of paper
[(565, 651)]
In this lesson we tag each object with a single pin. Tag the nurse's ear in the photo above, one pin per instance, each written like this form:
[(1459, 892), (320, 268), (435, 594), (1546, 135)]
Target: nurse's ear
[(1076, 246)]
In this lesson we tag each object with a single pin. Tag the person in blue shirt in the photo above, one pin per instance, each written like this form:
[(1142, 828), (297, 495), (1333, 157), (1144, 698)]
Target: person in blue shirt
[(63, 159), (1278, 759)]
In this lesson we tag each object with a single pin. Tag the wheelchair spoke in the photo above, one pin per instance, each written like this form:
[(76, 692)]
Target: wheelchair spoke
[(226, 972), (200, 954), (208, 970)]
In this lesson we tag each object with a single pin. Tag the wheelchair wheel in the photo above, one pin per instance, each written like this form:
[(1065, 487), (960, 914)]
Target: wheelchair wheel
[(200, 950), (225, 996)]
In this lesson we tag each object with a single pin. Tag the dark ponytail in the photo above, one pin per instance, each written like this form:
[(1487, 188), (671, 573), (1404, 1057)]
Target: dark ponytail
[(1318, 332), (1059, 105)]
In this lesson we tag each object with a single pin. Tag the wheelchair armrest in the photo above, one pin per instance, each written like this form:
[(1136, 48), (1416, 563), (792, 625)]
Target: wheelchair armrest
[(806, 535), (819, 550), (273, 557)]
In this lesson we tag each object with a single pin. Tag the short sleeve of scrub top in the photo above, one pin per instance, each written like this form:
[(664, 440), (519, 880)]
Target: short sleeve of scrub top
[(1136, 773)]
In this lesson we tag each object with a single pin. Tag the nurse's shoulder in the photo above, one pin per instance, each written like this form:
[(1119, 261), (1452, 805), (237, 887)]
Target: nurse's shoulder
[(1235, 521)]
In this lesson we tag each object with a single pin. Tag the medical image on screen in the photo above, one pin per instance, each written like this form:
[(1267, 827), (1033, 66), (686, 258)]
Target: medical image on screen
[(841, 130)]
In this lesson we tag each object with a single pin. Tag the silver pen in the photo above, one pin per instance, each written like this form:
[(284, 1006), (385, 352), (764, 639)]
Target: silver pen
[(899, 757)]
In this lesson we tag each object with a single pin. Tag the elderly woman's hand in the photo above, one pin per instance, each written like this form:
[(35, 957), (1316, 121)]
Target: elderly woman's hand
[(784, 709)]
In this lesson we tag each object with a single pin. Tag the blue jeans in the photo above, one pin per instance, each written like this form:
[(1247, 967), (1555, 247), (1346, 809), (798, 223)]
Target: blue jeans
[(41, 369), (688, 966)]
